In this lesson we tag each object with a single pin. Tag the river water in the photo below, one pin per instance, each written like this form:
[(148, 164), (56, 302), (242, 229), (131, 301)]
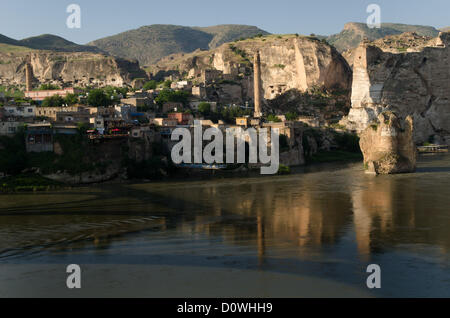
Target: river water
[(309, 234)]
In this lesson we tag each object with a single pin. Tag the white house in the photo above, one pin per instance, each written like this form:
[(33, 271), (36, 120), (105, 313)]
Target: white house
[(20, 111), (124, 111)]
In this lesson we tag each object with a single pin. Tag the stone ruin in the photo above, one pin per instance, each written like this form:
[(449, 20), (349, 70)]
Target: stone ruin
[(388, 145)]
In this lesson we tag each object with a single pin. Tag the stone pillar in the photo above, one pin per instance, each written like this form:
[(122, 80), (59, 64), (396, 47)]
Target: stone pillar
[(257, 84), (28, 77)]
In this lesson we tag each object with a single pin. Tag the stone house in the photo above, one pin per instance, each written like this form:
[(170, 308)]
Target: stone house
[(194, 105), (137, 101), (20, 111), (182, 118), (73, 117), (182, 85), (39, 138), (124, 111), (51, 112), (199, 91), (164, 122), (98, 123)]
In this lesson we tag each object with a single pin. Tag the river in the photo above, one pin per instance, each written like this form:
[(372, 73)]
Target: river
[(309, 234)]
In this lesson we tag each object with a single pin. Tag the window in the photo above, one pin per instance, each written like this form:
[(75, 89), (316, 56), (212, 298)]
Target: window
[(12, 129), (30, 110)]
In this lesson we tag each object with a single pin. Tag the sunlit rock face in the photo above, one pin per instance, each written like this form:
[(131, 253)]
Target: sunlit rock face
[(410, 81), (288, 62), (75, 68), (388, 145)]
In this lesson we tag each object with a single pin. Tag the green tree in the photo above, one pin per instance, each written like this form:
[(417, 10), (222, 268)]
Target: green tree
[(273, 118), (204, 108), (53, 101), (168, 96), (229, 114), (12, 92), (292, 116), (150, 85), (97, 98), (167, 84), (71, 99), (115, 93)]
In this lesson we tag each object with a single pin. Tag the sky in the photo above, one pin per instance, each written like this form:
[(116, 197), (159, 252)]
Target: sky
[(99, 18)]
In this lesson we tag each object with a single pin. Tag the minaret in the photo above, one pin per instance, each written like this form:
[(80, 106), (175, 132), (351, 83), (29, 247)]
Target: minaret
[(257, 84), (28, 77)]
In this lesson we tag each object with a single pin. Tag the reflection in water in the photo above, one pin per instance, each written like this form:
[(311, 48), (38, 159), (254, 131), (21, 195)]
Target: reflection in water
[(332, 215)]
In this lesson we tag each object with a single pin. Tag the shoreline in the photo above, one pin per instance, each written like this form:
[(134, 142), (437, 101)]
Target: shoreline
[(43, 184)]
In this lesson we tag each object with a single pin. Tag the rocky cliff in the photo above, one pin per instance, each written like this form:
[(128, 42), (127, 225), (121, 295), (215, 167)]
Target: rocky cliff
[(78, 68), (287, 62), (354, 33), (388, 145), (410, 78)]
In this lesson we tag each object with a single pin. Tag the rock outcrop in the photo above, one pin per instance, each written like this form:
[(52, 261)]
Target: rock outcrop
[(354, 33), (89, 177), (287, 62), (78, 69), (410, 80), (388, 146)]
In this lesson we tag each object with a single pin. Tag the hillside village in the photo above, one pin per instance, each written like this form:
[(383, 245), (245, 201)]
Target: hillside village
[(299, 84), (139, 116)]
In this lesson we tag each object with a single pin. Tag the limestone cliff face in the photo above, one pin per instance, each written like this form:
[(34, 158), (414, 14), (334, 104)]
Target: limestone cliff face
[(300, 63), (415, 82), (287, 62), (77, 69), (388, 146)]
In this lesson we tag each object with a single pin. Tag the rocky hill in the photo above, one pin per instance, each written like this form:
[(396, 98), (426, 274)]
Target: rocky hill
[(56, 43), (149, 44), (230, 32), (405, 42), (49, 42), (354, 33), (288, 63), (409, 81), (7, 40), (68, 68)]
